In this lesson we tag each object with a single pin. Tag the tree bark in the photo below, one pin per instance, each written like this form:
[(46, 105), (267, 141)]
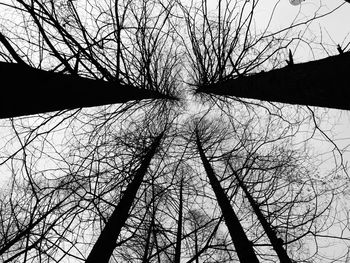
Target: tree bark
[(276, 244), (27, 91), (322, 83), (243, 246), (105, 244)]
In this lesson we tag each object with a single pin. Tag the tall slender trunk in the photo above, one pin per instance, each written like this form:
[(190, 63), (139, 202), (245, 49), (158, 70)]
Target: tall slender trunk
[(243, 246), (105, 244), (148, 239), (151, 226), (179, 227), (157, 248), (276, 244), (196, 245)]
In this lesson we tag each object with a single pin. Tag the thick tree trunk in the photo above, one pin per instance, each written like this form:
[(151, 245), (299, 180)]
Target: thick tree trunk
[(105, 244), (322, 83), (276, 244), (179, 227), (243, 246), (27, 91)]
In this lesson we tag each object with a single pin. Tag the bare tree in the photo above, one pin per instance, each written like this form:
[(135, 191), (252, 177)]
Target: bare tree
[(125, 51), (138, 181), (105, 244), (277, 245), (243, 246)]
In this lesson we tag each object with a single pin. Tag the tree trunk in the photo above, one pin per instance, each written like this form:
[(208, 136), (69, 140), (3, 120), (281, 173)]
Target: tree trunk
[(105, 244), (322, 83), (179, 228), (148, 240), (243, 246), (27, 91), (196, 246), (276, 244)]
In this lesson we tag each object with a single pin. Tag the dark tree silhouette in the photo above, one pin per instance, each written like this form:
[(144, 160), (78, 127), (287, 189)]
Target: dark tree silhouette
[(44, 91), (277, 245), (243, 246), (177, 257), (321, 83), (105, 244), (127, 60)]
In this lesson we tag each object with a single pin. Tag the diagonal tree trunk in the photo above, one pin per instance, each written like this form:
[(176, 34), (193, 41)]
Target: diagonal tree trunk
[(196, 249), (148, 238), (151, 226), (276, 244), (322, 83), (179, 227), (105, 244), (244, 248), (30, 91)]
